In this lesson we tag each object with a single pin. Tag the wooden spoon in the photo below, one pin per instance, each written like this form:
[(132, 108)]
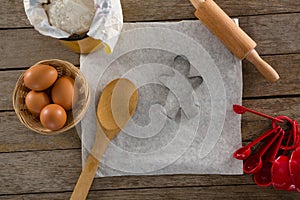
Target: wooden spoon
[(116, 105)]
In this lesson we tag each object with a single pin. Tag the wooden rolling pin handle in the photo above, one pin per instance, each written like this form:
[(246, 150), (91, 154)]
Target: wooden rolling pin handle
[(86, 178), (263, 67), (234, 38)]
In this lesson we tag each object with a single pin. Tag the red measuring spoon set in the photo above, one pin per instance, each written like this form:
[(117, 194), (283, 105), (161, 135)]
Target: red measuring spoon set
[(276, 158)]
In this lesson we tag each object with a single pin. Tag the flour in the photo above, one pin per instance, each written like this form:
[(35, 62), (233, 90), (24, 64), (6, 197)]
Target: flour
[(71, 16)]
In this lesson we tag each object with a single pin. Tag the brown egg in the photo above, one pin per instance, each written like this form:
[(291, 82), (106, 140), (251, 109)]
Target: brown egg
[(64, 92), (36, 101), (53, 117), (40, 77)]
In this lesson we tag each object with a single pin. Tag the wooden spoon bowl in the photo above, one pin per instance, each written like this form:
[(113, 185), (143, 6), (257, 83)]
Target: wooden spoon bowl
[(116, 105)]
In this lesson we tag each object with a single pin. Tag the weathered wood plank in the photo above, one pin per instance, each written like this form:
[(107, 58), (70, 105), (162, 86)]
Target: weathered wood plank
[(153, 10), (7, 85), (58, 170), (38, 171), (275, 34), (13, 15), (16, 137), (24, 47), (217, 192), (287, 66), (177, 192)]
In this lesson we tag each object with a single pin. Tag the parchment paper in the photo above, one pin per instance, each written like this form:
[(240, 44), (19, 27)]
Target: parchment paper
[(200, 140), (106, 25)]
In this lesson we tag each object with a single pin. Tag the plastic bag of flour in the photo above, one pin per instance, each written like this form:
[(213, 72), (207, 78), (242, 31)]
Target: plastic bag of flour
[(68, 19)]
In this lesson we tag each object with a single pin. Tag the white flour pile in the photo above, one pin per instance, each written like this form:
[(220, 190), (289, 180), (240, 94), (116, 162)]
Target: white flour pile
[(71, 16)]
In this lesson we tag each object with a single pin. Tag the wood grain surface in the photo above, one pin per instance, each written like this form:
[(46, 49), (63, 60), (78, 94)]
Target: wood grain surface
[(21, 48), (34, 166), (250, 192), (159, 10), (288, 68), (52, 171)]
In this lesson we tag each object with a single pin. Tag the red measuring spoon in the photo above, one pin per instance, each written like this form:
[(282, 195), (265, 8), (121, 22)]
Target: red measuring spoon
[(245, 151), (291, 144), (263, 176), (254, 162), (294, 162), (294, 166), (295, 143), (280, 172), (241, 110), (281, 176)]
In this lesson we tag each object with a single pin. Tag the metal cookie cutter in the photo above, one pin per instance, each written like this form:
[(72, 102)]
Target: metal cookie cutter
[(181, 87)]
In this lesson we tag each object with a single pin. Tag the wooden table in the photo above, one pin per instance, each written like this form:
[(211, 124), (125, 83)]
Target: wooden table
[(34, 166)]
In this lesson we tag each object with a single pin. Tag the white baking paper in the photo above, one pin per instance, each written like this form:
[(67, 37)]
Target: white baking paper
[(202, 134), (106, 25)]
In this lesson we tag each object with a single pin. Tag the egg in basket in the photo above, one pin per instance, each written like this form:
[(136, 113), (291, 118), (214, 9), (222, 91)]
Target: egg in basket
[(51, 97)]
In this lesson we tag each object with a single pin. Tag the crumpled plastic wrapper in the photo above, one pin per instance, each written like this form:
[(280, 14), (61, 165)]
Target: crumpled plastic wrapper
[(106, 25), (193, 132)]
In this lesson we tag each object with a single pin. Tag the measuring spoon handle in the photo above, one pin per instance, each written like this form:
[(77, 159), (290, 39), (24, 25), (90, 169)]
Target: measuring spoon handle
[(263, 136), (266, 145), (254, 162), (242, 109), (273, 151), (265, 115)]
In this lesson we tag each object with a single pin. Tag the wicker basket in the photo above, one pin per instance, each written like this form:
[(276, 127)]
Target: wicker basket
[(73, 116)]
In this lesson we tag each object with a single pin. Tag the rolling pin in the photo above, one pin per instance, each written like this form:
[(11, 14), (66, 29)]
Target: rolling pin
[(236, 40)]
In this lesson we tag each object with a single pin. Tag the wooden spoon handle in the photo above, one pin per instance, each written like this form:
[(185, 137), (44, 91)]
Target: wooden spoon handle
[(89, 170), (86, 178), (262, 66)]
